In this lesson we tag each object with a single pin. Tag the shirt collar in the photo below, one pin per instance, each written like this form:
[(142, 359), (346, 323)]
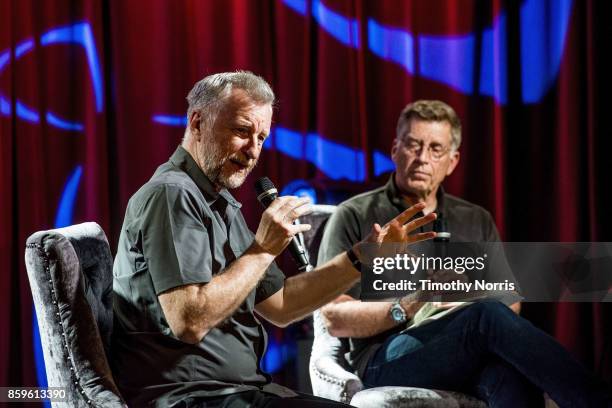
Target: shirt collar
[(183, 160), (397, 200)]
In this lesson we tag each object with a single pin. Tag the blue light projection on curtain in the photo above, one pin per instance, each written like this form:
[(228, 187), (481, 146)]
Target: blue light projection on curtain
[(65, 209), (493, 61), (391, 44), (544, 25), (171, 120), (78, 34), (343, 29), (450, 59), (63, 124), (63, 218), (336, 160)]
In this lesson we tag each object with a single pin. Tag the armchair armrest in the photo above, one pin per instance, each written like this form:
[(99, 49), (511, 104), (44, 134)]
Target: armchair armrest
[(331, 380)]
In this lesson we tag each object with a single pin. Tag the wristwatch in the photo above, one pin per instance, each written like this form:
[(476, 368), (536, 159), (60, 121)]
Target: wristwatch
[(398, 314)]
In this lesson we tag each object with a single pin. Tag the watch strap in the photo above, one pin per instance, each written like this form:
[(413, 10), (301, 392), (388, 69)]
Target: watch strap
[(352, 256)]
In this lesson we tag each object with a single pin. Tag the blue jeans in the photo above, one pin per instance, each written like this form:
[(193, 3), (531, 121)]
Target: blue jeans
[(488, 351)]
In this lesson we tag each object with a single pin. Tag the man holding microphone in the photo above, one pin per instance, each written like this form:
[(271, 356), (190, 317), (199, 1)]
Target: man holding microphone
[(189, 275)]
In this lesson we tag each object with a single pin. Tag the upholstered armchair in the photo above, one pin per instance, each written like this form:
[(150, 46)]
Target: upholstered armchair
[(70, 273), (331, 378)]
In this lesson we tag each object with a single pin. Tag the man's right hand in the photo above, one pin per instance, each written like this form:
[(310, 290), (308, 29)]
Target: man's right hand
[(276, 227), (193, 310)]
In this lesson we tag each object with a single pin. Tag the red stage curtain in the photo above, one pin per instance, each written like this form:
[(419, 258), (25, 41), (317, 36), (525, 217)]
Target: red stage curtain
[(541, 167)]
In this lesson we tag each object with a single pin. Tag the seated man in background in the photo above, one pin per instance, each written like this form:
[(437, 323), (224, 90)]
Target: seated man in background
[(484, 349), (189, 275)]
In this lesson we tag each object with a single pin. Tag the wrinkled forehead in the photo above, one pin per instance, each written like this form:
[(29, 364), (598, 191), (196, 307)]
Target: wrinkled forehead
[(430, 130), (238, 105)]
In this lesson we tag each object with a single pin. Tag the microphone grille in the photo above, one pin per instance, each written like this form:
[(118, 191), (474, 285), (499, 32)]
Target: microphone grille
[(263, 184)]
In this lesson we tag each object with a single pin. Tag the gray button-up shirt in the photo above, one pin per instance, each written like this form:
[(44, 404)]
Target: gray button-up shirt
[(177, 231)]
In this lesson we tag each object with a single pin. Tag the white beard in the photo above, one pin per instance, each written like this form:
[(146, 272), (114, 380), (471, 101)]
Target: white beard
[(215, 160)]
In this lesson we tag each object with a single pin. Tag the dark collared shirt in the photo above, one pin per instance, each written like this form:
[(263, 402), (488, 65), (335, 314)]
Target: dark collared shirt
[(177, 231), (353, 221)]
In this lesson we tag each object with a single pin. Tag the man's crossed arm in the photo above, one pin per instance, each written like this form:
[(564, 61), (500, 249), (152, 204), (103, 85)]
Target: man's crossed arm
[(348, 317)]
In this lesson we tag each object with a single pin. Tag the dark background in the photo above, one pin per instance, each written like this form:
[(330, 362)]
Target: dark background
[(92, 101)]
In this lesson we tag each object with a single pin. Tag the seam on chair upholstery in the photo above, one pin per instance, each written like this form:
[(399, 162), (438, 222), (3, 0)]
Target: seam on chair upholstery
[(332, 380), (329, 378), (46, 262)]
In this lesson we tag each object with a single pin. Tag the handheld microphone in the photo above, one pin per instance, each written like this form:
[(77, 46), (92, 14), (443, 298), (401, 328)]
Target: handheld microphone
[(441, 229), (443, 236), (266, 193)]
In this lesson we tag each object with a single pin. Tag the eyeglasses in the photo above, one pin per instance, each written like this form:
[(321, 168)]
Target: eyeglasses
[(434, 150)]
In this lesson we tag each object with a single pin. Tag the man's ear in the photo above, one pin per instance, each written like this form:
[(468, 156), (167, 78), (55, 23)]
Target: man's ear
[(454, 161), (195, 124)]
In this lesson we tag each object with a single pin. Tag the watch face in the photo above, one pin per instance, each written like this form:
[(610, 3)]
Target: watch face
[(397, 313)]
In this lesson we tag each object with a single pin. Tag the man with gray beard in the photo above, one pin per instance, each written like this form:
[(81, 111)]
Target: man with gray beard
[(189, 274)]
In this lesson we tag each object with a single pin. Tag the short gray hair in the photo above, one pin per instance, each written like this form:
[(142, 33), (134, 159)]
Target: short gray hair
[(431, 111), (208, 93)]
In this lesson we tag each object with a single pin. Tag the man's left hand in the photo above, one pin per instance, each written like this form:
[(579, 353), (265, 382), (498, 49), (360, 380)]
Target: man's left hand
[(399, 228)]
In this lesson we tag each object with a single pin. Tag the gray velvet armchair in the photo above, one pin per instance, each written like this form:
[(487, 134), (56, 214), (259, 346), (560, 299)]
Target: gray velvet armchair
[(70, 273), (329, 374)]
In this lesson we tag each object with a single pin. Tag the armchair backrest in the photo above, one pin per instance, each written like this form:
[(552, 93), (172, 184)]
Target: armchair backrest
[(328, 375), (324, 343), (70, 273), (317, 219)]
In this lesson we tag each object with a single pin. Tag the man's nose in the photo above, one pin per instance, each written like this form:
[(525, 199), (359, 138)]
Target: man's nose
[(423, 154), (252, 149)]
